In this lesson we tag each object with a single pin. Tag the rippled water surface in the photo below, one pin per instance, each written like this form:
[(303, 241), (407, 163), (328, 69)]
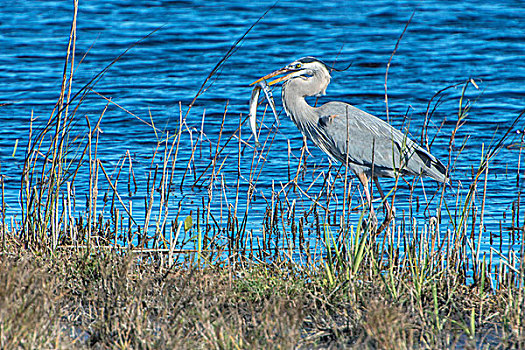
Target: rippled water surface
[(447, 42)]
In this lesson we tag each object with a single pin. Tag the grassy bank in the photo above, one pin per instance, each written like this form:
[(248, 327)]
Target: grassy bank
[(108, 300)]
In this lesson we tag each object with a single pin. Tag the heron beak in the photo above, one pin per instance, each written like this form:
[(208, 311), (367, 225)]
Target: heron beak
[(271, 75)]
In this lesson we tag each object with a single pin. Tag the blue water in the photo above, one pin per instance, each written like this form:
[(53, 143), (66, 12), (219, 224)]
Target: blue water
[(447, 42)]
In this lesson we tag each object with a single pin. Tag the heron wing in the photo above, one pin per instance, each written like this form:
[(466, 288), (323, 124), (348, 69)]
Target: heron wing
[(365, 140)]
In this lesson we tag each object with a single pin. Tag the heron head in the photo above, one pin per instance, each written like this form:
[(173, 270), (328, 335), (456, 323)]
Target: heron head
[(305, 68)]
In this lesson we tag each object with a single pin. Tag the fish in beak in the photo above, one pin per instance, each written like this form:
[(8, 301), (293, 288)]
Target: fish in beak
[(273, 74), (262, 84)]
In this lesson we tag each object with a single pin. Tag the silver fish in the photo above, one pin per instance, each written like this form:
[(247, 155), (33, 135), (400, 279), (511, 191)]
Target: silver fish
[(269, 97), (254, 101)]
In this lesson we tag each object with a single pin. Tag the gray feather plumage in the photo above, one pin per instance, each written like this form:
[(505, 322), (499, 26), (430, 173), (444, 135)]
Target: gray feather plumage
[(372, 142)]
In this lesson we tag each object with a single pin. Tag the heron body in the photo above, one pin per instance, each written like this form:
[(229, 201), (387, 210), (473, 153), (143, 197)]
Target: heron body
[(369, 146)]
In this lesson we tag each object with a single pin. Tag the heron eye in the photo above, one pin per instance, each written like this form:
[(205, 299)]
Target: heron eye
[(298, 65)]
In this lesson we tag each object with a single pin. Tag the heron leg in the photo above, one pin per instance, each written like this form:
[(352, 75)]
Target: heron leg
[(305, 145), (388, 216), (364, 181)]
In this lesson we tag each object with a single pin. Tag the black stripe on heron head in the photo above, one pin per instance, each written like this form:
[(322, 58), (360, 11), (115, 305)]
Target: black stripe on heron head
[(310, 59)]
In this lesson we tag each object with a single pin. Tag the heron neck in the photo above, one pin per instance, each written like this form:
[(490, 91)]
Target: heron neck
[(296, 107)]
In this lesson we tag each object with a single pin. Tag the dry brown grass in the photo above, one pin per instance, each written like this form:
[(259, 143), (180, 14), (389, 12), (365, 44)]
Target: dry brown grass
[(78, 300)]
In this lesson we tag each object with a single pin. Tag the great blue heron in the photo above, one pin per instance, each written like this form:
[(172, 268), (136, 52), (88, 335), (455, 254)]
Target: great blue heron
[(369, 146)]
